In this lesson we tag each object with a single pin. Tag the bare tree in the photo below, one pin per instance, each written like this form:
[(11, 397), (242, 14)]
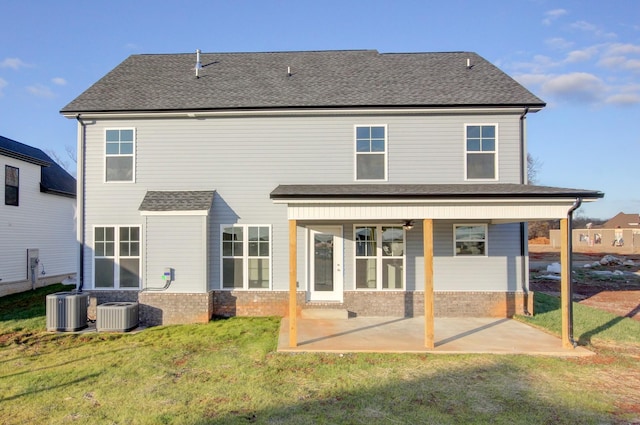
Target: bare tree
[(533, 168), (69, 163)]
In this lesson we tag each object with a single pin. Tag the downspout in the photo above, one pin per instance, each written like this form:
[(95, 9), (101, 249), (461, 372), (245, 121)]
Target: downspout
[(524, 234), (574, 207), (80, 200)]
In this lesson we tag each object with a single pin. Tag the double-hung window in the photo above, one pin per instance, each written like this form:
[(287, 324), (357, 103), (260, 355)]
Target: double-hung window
[(371, 152), (11, 185), (380, 257), (119, 155), (481, 152), (246, 257), (116, 257), (470, 239)]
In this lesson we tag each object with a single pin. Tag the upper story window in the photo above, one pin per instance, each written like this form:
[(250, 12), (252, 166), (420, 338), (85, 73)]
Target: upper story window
[(481, 152), (11, 185), (246, 257), (119, 155), (470, 239), (371, 152)]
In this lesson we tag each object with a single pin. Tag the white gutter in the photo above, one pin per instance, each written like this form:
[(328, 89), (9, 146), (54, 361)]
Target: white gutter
[(296, 112)]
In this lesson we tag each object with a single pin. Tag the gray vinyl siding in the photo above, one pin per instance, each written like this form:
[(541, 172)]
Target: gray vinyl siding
[(244, 159), (41, 221), (500, 270), (177, 242)]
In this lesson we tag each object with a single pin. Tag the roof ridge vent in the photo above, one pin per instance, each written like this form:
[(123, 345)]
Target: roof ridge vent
[(198, 63)]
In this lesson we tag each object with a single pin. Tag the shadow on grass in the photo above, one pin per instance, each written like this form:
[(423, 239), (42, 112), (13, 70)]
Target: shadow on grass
[(28, 304), (497, 393), (589, 322), (51, 388)]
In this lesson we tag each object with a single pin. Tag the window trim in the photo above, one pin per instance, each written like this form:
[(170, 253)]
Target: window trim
[(245, 257), (495, 151), (486, 240), (116, 258), (379, 258), (6, 184), (132, 155), (356, 153)]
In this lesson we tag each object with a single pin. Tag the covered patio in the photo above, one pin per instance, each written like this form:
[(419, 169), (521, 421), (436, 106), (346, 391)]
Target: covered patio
[(406, 335), (493, 203)]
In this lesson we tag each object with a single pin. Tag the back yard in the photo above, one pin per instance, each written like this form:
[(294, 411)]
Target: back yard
[(227, 372)]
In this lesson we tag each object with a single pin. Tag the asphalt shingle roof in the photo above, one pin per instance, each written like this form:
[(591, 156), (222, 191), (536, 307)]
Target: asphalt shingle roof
[(177, 200), (53, 178), (426, 191), (329, 79)]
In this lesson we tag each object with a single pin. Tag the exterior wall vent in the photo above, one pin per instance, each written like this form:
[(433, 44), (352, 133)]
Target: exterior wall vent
[(66, 311), (117, 317)]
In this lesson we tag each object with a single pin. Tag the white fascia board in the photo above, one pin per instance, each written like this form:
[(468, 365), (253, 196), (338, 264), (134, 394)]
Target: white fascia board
[(506, 211)]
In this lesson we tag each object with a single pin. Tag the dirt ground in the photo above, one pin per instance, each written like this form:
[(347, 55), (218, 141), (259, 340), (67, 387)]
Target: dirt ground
[(618, 294)]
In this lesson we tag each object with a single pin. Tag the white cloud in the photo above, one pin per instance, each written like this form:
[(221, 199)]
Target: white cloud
[(529, 80), (3, 84), (13, 63), (622, 49), (40, 90), (552, 15), (624, 99), (559, 43), (589, 27), (580, 55), (575, 87), (59, 81)]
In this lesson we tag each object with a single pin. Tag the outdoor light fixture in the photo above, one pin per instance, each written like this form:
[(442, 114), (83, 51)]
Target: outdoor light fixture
[(408, 225)]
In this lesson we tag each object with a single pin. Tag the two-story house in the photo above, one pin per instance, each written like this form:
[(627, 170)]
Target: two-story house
[(267, 183), (38, 243)]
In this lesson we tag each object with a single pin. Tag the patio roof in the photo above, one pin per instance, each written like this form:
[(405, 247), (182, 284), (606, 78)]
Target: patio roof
[(428, 191)]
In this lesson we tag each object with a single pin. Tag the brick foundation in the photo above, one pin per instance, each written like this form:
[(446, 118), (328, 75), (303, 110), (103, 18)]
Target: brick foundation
[(161, 308), (378, 303)]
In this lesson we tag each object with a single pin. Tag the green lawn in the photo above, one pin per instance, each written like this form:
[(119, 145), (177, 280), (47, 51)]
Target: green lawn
[(227, 372)]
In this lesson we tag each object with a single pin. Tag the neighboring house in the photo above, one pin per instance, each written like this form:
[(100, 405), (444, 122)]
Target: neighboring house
[(267, 183), (623, 221), (621, 231), (38, 244)]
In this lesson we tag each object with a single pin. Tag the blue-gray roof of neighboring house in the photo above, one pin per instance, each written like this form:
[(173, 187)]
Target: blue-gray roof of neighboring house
[(53, 178), (304, 79)]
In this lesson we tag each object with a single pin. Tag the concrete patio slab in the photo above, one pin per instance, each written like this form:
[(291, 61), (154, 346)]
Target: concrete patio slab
[(406, 335)]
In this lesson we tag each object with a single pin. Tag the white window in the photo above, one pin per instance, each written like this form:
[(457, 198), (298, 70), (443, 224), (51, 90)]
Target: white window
[(246, 256), (116, 257), (470, 239), (481, 156), (380, 257), (119, 155), (371, 152)]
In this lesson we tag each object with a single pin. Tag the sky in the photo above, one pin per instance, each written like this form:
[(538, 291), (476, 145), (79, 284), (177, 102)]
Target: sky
[(581, 57)]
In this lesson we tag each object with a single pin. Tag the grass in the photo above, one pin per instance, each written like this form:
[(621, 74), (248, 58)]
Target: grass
[(590, 326), (226, 372)]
